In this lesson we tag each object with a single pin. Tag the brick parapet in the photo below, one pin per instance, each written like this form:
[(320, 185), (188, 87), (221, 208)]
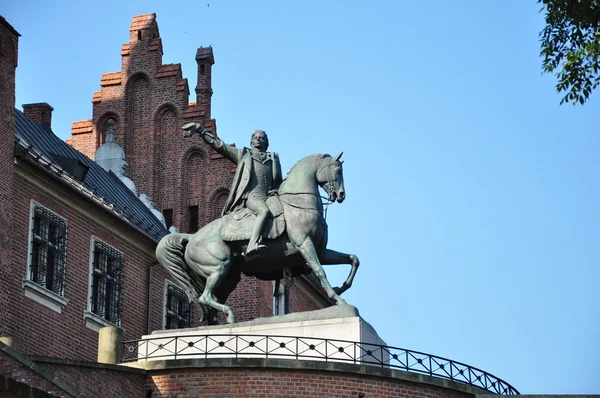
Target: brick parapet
[(253, 377)]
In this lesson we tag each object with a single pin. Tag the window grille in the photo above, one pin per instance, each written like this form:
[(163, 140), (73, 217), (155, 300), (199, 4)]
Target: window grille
[(107, 278), (178, 311), (48, 250)]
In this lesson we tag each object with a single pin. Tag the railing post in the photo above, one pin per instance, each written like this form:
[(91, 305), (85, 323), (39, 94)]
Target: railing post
[(175, 350), (110, 345)]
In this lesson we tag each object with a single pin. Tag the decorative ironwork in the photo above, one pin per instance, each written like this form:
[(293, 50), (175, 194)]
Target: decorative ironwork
[(179, 311), (299, 348), (48, 250), (107, 277)]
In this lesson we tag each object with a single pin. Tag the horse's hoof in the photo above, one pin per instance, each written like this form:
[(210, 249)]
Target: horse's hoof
[(230, 319), (341, 301), (338, 290)]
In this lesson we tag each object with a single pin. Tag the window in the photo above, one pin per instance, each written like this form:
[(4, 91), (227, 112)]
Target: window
[(168, 214), (178, 311), (202, 71), (48, 250), (106, 282), (192, 219)]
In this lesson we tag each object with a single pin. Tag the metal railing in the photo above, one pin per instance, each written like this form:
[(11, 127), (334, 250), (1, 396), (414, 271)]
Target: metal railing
[(309, 348)]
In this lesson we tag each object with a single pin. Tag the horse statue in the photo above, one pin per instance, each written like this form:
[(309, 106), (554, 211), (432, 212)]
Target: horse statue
[(209, 263)]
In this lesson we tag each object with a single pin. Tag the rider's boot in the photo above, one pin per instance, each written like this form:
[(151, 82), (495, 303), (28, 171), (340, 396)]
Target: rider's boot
[(254, 246)]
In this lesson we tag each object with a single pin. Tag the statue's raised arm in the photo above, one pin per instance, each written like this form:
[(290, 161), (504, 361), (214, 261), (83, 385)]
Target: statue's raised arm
[(229, 151)]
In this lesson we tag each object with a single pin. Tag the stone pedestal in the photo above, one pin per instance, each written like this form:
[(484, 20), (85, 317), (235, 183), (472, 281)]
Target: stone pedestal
[(333, 334)]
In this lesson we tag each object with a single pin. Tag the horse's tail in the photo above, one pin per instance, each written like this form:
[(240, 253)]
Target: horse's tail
[(170, 253)]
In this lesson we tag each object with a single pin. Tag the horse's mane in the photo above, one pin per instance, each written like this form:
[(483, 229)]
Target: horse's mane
[(316, 156)]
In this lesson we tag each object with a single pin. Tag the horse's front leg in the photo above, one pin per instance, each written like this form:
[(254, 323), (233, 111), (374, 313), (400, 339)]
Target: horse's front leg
[(328, 257), (307, 249)]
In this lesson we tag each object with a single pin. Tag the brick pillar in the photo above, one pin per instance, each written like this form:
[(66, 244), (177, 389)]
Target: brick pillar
[(205, 60), (9, 39)]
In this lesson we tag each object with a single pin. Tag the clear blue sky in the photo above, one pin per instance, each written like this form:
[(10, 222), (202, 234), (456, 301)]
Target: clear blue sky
[(473, 197)]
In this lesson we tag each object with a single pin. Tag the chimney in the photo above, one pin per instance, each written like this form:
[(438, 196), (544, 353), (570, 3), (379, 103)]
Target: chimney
[(205, 60), (41, 113)]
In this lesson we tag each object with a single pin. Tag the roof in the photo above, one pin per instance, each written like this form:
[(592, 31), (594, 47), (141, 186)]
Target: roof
[(9, 26), (205, 52), (101, 187), (142, 21)]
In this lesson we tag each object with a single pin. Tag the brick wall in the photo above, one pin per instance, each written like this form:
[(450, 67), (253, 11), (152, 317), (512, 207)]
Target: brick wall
[(13, 369), (100, 382), (8, 63), (285, 383), (42, 331)]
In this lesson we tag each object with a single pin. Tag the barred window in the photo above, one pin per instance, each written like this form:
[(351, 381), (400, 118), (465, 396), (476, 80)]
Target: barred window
[(178, 311), (107, 282), (48, 250)]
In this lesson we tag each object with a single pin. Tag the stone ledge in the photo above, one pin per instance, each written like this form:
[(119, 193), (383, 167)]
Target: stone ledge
[(95, 322), (39, 370), (86, 364), (329, 313), (43, 296), (266, 363)]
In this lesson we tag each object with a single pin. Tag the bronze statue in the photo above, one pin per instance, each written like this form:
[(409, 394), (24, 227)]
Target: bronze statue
[(209, 264), (257, 176)]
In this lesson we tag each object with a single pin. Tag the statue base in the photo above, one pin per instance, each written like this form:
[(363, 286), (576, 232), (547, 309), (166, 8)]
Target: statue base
[(334, 333)]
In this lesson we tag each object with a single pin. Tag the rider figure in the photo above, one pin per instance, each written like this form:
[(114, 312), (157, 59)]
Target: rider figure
[(257, 176)]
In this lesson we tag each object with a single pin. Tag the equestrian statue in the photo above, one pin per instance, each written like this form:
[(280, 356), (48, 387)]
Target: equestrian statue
[(268, 225)]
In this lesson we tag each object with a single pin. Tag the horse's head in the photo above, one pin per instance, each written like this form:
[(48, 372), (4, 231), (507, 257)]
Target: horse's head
[(331, 177)]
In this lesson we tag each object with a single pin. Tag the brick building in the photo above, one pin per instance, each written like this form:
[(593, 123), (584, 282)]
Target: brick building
[(78, 245)]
